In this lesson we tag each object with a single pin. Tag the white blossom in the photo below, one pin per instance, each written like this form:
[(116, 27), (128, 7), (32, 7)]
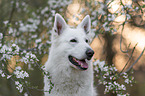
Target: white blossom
[(111, 17), (100, 9), (126, 81), (11, 30), (106, 27), (19, 86), (94, 23), (136, 8), (122, 94), (25, 94), (9, 76), (6, 22), (128, 16), (16, 48), (38, 40), (33, 36), (2, 73), (123, 87), (44, 10), (1, 35), (18, 68)]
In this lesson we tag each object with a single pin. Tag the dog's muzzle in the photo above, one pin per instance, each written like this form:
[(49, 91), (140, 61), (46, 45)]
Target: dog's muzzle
[(81, 64), (78, 64)]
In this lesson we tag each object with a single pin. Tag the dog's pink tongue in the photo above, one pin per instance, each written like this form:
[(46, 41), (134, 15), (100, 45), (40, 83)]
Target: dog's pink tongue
[(83, 64)]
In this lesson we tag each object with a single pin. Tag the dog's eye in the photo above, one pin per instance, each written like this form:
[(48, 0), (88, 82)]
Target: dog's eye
[(73, 40), (87, 40)]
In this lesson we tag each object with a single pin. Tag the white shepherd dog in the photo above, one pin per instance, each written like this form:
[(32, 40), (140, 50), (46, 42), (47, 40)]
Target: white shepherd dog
[(69, 60)]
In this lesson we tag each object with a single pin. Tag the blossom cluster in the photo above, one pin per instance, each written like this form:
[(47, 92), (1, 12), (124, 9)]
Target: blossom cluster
[(19, 73), (109, 77), (9, 51), (107, 13), (3, 75), (31, 26), (58, 3), (19, 86), (28, 57)]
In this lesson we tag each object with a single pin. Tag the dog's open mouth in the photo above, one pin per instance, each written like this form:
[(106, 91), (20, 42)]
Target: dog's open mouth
[(80, 64)]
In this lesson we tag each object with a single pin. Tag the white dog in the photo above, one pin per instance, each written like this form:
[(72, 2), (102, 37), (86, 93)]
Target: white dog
[(69, 60)]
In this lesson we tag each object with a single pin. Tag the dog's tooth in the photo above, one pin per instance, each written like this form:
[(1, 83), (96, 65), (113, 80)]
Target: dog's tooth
[(75, 59)]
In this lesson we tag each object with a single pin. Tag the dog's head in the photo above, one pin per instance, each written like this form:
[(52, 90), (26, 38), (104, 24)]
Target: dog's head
[(73, 43)]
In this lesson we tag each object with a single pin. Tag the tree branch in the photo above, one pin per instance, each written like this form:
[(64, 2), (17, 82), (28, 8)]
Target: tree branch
[(9, 21), (135, 61), (129, 59)]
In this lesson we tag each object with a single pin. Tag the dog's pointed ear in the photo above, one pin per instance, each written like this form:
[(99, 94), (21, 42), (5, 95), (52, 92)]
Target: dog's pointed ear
[(59, 24), (86, 24)]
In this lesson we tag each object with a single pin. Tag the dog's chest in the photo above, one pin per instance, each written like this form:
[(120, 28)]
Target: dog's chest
[(69, 87), (71, 84)]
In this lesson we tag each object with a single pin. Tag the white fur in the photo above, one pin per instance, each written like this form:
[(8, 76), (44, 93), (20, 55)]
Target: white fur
[(67, 80)]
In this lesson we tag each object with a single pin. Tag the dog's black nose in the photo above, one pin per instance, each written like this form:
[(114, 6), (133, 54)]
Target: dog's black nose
[(89, 53)]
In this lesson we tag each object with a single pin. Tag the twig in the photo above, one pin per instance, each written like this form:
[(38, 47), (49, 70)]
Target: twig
[(141, 11), (37, 89), (35, 48), (123, 29), (129, 59), (31, 49), (46, 73), (135, 61), (10, 19), (121, 40), (26, 87), (96, 34)]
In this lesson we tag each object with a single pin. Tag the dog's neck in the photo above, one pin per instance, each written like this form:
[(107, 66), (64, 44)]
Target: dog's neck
[(70, 81)]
